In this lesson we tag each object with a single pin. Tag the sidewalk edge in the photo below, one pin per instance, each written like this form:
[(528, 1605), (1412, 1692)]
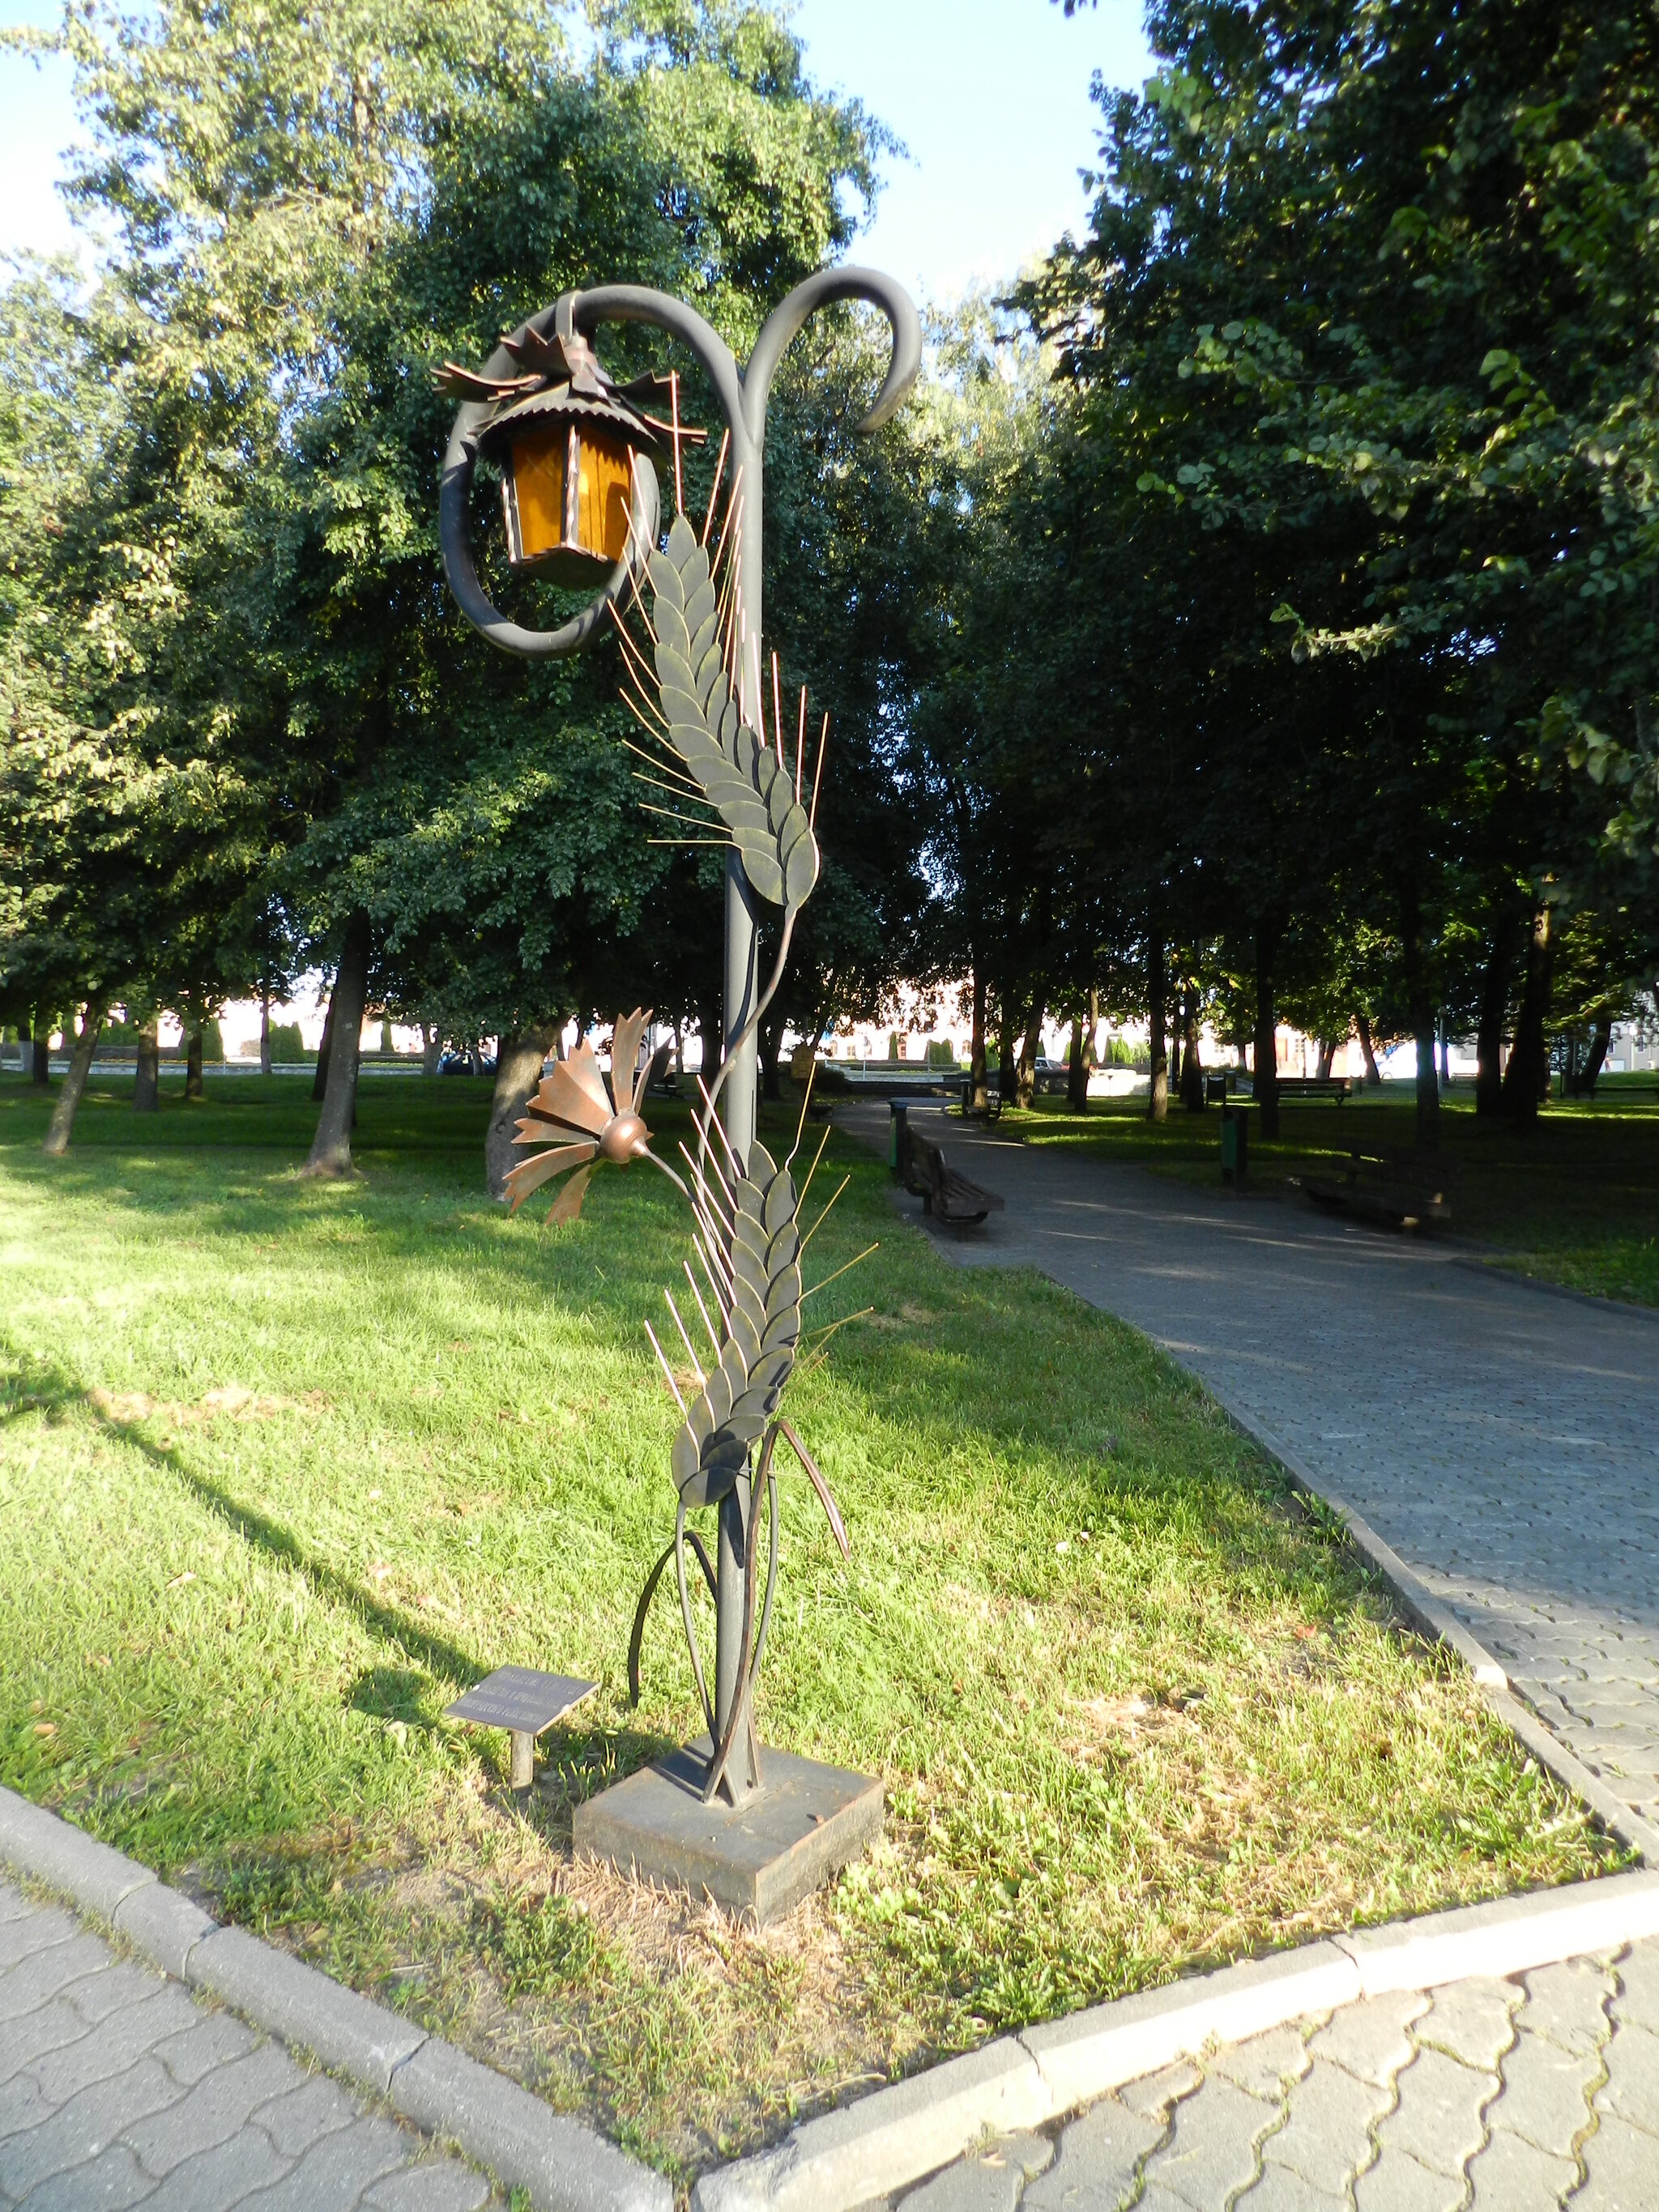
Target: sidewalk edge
[(897, 2137), (1437, 1622), (1495, 1271), (562, 2165)]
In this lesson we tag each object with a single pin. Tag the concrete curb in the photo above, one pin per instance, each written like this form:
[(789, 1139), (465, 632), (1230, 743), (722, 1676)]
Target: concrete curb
[(562, 2165), (900, 2136), (1437, 1621)]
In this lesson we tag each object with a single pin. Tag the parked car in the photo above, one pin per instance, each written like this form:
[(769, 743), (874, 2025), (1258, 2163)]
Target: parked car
[(461, 1063)]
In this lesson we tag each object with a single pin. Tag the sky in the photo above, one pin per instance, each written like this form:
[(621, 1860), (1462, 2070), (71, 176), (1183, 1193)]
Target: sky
[(989, 97)]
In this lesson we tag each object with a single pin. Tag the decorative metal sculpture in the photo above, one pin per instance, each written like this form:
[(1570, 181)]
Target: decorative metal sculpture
[(696, 687)]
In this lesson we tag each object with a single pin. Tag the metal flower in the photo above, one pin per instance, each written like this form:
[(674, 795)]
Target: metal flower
[(584, 1122)]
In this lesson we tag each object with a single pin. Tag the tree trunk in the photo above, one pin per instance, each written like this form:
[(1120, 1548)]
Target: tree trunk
[(1428, 1087), (432, 1044), (320, 1081), (1264, 1084), (1157, 1026), (1598, 1053), (147, 1080), (193, 1065), (1494, 1007), (980, 1093), (1526, 1077), (1077, 1072), (1362, 1025), (331, 1148), (41, 1052), (74, 1084), (1007, 1073), (708, 1029), (1192, 1063), (770, 1042), (265, 1032), (518, 1070), (1030, 1046), (1445, 1049)]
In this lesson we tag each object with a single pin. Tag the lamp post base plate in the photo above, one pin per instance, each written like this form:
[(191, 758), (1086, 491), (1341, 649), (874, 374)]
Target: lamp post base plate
[(761, 1857)]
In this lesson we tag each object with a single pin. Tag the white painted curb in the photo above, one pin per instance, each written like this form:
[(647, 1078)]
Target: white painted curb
[(900, 2136)]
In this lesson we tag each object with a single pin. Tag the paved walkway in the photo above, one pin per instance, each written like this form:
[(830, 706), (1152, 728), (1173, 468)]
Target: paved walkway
[(118, 2089), (1505, 1443), (1499, 2096)]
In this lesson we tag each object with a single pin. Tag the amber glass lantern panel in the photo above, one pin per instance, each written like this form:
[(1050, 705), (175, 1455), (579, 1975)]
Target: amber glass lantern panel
[(604, 495), (568, 498), (533, 495)]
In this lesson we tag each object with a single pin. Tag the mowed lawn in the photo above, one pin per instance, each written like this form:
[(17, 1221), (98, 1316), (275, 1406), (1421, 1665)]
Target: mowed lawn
[(284, 1467), (1573, 1200)]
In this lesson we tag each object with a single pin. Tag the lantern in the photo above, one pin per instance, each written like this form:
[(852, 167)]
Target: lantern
[(571, 442), (568, 482)]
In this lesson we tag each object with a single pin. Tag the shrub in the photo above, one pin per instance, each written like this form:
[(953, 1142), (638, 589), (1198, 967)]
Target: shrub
[(287, 1044)]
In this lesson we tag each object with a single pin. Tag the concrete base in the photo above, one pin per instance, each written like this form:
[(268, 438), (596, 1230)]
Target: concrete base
[(763, 1858)]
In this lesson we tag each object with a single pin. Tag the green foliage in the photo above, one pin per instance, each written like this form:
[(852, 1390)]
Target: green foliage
[(1353, 508), (240, 551), (287, 1045)]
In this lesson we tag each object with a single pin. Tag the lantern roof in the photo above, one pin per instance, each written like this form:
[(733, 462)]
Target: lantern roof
[(562, 381)]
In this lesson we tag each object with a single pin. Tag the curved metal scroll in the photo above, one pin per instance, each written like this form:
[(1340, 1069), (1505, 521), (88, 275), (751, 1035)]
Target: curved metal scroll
[(743, 394)]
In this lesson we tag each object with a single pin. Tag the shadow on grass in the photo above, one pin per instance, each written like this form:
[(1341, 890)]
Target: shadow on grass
[(50, 1389)]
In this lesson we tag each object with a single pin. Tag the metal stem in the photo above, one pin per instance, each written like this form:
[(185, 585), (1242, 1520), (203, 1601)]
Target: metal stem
[(738, 1103), (737, 1517)]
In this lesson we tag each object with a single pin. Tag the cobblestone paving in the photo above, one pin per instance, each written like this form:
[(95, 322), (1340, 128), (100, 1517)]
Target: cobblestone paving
[(118, 2089), (1505, 1443), (1497, 2096)]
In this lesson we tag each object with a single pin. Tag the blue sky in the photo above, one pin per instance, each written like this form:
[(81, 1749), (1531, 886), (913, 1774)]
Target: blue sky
[(991, 98)]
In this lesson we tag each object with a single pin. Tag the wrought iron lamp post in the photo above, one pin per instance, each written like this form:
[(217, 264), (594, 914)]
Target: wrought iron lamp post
[(575, 520)]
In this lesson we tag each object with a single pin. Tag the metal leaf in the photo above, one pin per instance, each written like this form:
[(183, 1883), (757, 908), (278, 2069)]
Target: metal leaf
[(736, 770), (762, 1247)]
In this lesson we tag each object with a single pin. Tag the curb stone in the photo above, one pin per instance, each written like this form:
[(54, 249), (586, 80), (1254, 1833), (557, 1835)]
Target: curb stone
[(900, 2136), (563, 2166)]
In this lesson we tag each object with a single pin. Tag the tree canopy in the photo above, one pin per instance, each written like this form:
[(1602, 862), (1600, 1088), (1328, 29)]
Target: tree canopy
[(1253, 616)]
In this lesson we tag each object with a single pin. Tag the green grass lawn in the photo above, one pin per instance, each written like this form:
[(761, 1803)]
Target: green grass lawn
[(284, 1466), (1575, 1200)]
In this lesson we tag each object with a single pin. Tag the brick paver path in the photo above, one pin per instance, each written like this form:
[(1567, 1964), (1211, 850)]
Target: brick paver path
[(1505, 1443), (118, 2089), (1499, 2096)]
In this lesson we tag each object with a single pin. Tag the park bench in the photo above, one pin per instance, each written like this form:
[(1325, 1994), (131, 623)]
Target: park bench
[(1317, 1087), (993, 1101), (1406, 1190), (945, 1194)]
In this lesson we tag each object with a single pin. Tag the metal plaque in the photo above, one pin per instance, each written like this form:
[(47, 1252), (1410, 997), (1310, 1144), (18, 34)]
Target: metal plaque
[(521, 1698)]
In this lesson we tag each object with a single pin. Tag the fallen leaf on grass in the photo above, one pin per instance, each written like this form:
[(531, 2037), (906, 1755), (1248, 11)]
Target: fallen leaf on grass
[(179, 1580)]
